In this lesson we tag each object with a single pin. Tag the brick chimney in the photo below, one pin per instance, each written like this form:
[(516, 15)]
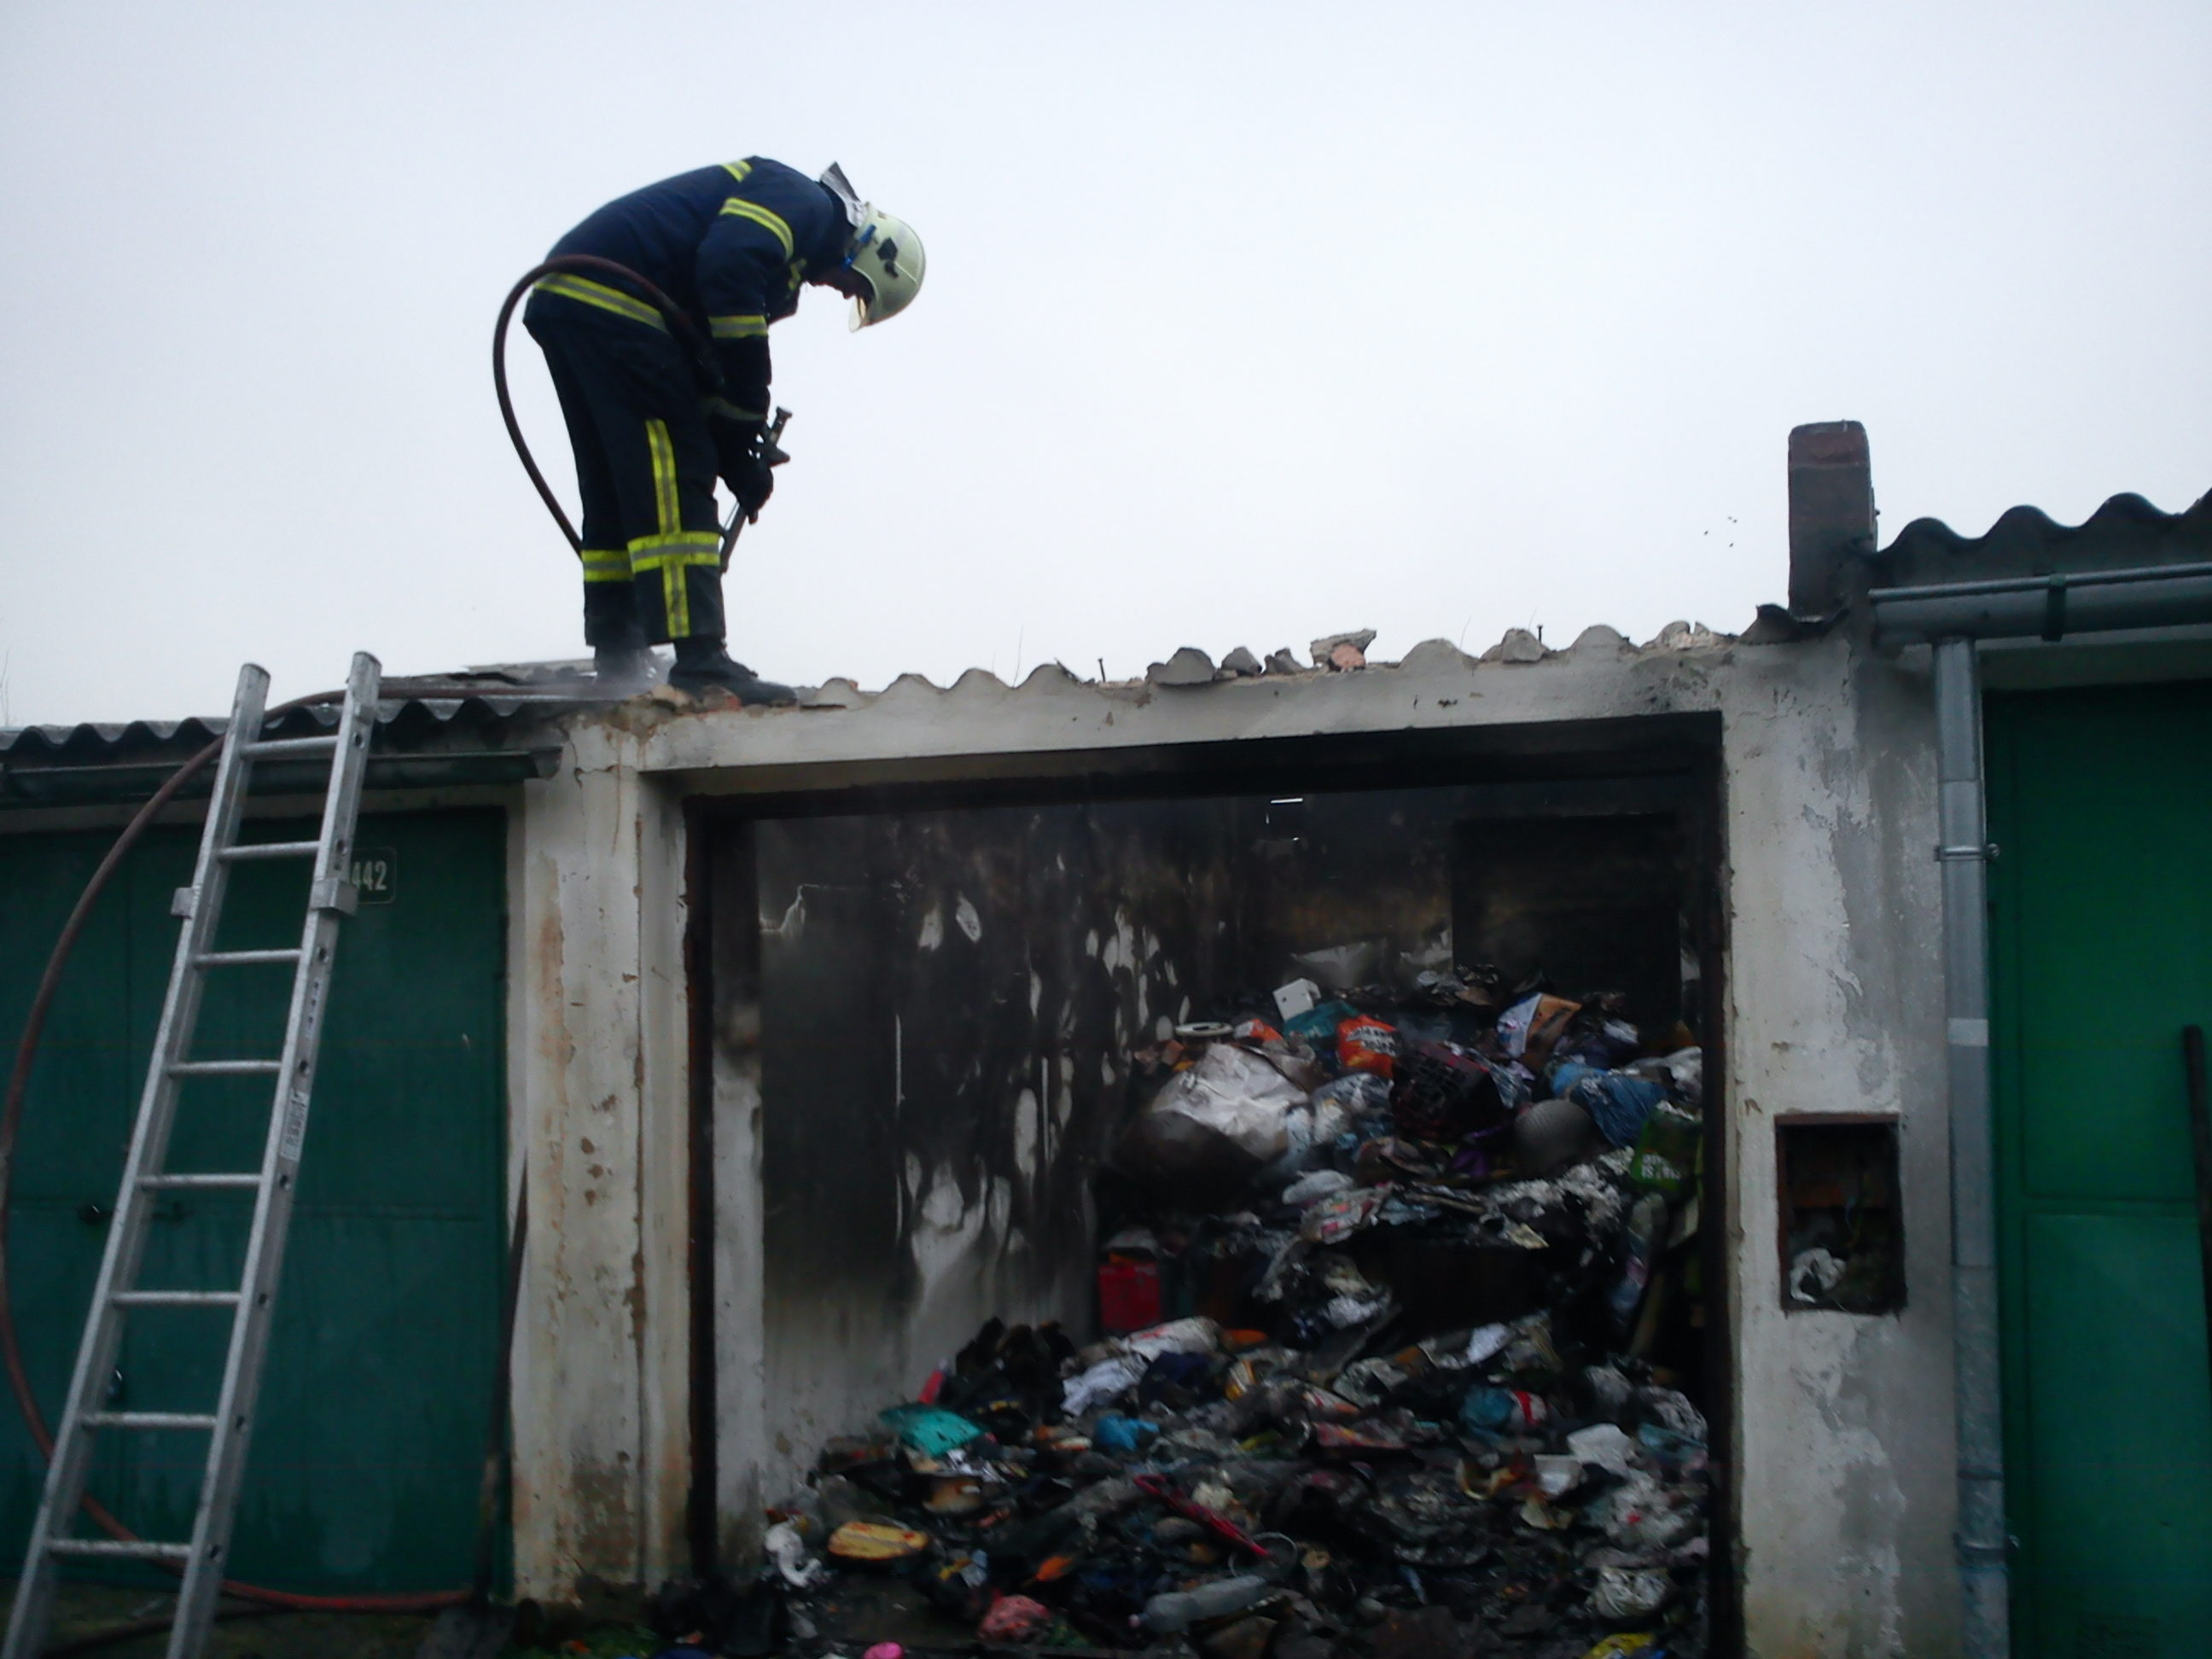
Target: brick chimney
[(1831, 512)]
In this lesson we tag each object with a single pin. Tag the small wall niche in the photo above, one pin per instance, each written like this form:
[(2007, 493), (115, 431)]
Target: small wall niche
[(1842, 1224)]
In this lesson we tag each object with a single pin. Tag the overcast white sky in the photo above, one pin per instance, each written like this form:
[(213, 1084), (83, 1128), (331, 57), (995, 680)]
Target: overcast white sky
[(1244, 323)]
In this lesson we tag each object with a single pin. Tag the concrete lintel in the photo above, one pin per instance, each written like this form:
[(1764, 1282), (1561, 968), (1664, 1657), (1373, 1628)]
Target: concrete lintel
[(1435, 689)]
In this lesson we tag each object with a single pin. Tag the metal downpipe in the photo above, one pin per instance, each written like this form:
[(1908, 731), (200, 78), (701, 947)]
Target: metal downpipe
[(1963, 855)]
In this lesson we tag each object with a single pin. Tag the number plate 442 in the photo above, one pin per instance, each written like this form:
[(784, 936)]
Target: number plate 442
[(375, 874)]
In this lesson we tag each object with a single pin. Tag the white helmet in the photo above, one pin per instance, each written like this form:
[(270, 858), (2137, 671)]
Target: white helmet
[(884, 254)]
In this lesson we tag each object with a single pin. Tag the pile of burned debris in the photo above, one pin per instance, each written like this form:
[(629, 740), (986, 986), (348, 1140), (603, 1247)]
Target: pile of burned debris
[(1398, 1297)]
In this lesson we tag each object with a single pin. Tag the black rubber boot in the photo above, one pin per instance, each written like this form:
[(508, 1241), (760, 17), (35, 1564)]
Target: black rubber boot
[(702, 664), (623, 669)]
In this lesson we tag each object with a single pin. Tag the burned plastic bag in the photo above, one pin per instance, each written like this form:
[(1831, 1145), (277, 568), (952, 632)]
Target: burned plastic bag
[(1212, 1127)]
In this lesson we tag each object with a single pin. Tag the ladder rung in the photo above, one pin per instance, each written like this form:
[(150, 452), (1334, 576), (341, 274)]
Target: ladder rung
[(175, 1298), (143, 1549), (244, 958), (226, 1067), (271, 849), (148, 1420), (275, 748), (246, 1179)]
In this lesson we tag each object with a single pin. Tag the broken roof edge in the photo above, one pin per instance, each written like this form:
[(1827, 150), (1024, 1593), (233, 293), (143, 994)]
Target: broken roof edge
[(488, 704), (1437, 685), (1519, 646)]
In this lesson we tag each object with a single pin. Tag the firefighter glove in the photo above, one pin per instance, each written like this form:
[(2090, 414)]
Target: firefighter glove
[(744, 456)]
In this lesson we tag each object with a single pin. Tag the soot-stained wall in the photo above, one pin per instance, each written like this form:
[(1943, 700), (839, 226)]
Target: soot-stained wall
[(947, 1001), (1592, 904)]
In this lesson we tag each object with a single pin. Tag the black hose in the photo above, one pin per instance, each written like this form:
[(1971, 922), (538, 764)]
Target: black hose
[(578, 264), (11, 1117)]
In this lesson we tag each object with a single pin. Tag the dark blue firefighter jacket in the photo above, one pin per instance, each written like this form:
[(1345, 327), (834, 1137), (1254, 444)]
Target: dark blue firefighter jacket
[(731, 244)]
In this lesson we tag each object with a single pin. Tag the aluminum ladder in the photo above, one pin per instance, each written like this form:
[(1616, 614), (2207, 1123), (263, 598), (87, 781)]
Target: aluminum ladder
[(146, 1178)]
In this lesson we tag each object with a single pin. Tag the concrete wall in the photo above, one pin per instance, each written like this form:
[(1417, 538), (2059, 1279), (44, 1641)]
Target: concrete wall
[(598, 1069), (1836, 1005), (1843, 1429)]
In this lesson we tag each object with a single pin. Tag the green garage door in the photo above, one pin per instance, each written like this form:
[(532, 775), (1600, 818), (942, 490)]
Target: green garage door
[(2102, 911), (365, 1462)]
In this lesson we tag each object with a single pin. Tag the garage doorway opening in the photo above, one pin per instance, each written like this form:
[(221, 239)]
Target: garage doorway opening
[(928, 1010)]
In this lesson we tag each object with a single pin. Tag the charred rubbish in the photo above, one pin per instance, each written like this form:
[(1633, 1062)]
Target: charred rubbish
[(1396, 1298)]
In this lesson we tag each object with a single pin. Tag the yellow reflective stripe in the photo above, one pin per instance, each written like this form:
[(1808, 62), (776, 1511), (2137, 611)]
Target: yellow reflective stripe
[(671, 555), (605, 564), (737, 328), (675, 598), (760, 216), (798, 274), (665, 511), (739, 171), (606, 298), (687, 547)]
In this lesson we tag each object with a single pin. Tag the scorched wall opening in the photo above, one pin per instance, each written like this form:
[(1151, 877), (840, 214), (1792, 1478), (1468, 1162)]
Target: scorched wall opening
[(950, 1011)]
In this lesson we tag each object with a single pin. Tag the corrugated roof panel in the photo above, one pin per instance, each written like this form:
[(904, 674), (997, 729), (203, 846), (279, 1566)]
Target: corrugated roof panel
[(2126, 532), (401, 723)]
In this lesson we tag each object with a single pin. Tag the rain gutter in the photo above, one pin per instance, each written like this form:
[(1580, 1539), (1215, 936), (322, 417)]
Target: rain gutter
[(2048, 607)]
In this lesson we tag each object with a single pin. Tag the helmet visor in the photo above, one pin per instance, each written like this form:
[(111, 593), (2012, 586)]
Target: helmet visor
[(864, 300), (854, 282)]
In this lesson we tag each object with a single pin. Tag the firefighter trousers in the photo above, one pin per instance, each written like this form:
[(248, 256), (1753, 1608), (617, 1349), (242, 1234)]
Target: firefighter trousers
[(645, 472)]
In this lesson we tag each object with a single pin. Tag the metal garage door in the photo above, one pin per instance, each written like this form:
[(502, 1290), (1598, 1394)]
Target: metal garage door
[(2101, 906), (365, 1463)]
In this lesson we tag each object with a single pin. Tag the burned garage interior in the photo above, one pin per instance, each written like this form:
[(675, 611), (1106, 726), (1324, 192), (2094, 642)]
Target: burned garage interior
[(1229, 1156)]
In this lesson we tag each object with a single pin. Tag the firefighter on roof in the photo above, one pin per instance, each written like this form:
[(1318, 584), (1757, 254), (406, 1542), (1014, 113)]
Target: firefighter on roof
[(730, 245)]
